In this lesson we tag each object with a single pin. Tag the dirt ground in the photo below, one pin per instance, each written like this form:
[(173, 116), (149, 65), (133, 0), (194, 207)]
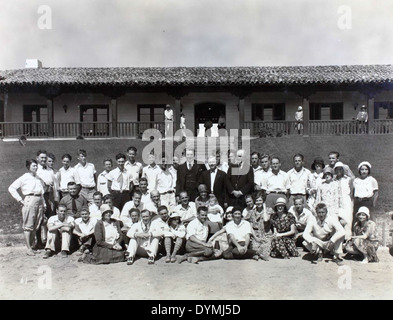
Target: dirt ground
[(24, 277)]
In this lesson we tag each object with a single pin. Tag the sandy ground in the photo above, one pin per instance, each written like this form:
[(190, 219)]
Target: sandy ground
[(24, 277)]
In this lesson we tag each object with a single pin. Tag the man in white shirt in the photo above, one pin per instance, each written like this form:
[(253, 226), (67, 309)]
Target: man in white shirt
[(135, 203), (197, 246), (120, 182), (300, 179), (165, 185), (134, 167), (102, 181), (324, 233), (302, 216), (168, 113), (254, 161), (260, 176), (84, 231), (186, 209), (150, 172), (59, 230), (334, 157), (239, 232), (66, 174), (277, 184), (94, 208), (144, 191), (87, 176), (154, 204)]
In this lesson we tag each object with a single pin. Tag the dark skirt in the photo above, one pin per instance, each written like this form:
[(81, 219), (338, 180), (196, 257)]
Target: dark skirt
[(102, 255)]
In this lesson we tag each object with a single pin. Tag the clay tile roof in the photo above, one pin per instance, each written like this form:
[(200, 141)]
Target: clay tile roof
[(199, 76)]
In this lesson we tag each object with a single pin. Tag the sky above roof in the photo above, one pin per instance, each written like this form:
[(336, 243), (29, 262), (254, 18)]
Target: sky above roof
[(164, 33)]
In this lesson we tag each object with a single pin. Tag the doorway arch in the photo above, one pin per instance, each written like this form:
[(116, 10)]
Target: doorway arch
[(208, 111)]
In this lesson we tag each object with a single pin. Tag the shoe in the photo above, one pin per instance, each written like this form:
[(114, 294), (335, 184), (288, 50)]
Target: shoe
[(173, 259), (256, 257), (48, 254), (168, 259), (320, 257), (263, 257), (30, 252), (87, 251), (130, 261), (150, 260), (193, 260), (64, 254), (81, 250), (181, 259), (338, 261)]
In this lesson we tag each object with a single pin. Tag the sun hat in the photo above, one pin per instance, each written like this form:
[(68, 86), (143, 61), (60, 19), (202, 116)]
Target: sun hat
[(328, 169), (300, 108), (364, 163), (364, 210), (175, 215), (319, 161), (280, 201), (105, 208), (229, 209), (338, 164)]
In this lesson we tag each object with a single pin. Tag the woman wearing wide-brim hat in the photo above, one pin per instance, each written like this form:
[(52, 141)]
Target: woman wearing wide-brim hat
[(364, 241), (284, 226)]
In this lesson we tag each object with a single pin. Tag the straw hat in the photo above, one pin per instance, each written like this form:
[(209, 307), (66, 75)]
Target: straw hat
[(364, 210), (364, 163), (105, 208), (280, 201)]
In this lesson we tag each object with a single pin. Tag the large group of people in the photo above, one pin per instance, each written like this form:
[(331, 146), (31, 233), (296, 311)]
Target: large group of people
[(243, 208)]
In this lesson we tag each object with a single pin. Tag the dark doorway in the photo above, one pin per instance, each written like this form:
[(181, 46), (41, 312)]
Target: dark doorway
[(208, 111)]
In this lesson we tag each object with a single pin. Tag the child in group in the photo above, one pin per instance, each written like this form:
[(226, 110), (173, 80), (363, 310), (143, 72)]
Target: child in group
[(250, 207), (215, 211), (174, 236), (84, 231)]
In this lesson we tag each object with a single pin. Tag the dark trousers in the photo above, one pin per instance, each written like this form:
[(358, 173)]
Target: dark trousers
[(233, 253), (120, 198)]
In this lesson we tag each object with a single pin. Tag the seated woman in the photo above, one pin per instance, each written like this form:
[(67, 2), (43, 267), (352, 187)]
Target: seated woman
[(174, 237), (250, 207), (364, 242), (284, 226), (109, 240), (220, 238), (203, 198)]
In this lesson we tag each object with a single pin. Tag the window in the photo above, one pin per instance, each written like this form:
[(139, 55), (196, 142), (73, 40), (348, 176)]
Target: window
[(268, 112), (94, 120), (383, 110), (326, 111), (35, 113), (151, 113), (1, 111)]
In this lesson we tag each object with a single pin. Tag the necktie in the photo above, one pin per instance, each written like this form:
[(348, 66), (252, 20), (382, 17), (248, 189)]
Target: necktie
[(74, 208), (189, 166), (120, 180)]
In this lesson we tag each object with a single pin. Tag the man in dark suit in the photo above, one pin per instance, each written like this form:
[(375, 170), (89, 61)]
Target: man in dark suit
[(239, 180), (188, 175), (214, 179)]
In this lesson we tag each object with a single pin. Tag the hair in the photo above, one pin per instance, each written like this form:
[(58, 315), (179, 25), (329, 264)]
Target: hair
[(298, 198), (144, 211), (136, 192), (298, 155), (62, 205), (204, 186), (368, 168), (71, 183), (107, 196), (162, 208), (143, 179), (249, 196), (52, 156), (225, 219), (202, 208), (85, 209), (132, 149), (82, 152), (321, 205), (68, 156), (183, 192), (97, 193), (257, 153), (110, 160), (29, 162), (237, 208), (135, 210), (335, 153), (120, 155), (265, 155), (190, 149), (41, 152)]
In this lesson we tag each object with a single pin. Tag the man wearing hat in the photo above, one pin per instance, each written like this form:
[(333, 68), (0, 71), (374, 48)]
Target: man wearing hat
[(325, 233), (362, 119)]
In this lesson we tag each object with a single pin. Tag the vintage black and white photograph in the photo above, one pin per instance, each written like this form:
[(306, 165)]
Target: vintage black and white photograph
[(196, 150)]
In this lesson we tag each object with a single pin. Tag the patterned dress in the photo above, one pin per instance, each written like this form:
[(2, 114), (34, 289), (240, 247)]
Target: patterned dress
[(368, 247), (262, 230), (283, 246)]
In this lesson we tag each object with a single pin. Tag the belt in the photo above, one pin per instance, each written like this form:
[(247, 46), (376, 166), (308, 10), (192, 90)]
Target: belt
[(90, 188), (277, 192), (171, 191), (120, 191), (363, 199), (297, 194), (35, 195)]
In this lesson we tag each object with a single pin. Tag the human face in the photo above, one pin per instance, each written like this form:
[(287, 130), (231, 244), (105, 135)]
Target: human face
[(73, 190), (164, 215), (232, 157), (299, 205), (276, 165), (85, 215), (109, 202), (298, 162), (362, 217), (202, 192), (339, 171), (107, 216), (184, 198), (258, 202), (131, 156), (174, 222), (255, 160), (163, 164), (175, 162), (121, 162), (280, 208), (97, 200), (318, 168), (49, 162), (364, 171), (218, 159), (265, 163), (145, 217), (41, 159), (212, 163), (249, 202), (237, 216), (137, 199), (155, 196), (66, 163), (152, 160), (190, 156), (328, 178), (143, 186), (202, 216), (229, 216), (61, 213), (33, 168), (82, 159), (321, 213), (108, 166), (134, 217), (333, 159), (239, 157)]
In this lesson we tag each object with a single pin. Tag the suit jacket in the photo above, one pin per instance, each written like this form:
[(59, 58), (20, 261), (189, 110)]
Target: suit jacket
[(219, 184), (243, 183), (188, 180)]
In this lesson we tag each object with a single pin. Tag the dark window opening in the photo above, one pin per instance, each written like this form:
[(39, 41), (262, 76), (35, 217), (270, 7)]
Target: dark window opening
[(326, 111), (268, 112)]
